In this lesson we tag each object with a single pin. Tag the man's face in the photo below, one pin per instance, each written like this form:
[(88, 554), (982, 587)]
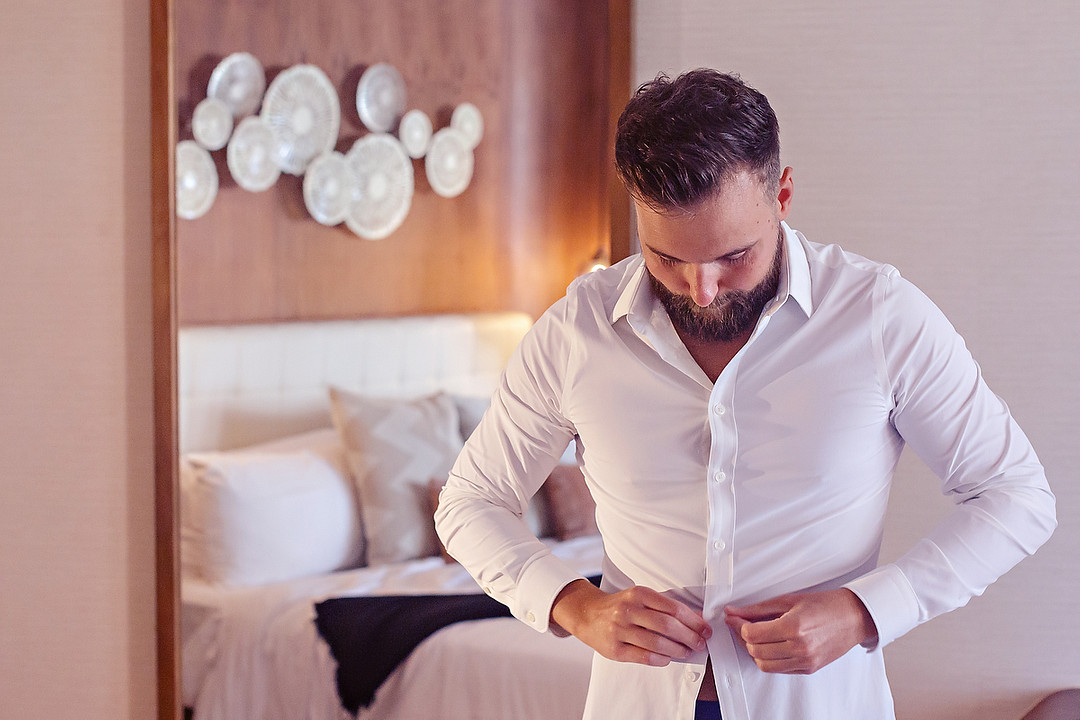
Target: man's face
[(716, 266)]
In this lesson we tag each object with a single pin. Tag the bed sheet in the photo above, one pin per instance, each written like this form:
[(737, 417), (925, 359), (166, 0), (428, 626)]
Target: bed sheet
[(254, 653)]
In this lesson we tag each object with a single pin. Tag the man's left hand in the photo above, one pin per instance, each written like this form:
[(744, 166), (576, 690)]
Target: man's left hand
[(802, 632)]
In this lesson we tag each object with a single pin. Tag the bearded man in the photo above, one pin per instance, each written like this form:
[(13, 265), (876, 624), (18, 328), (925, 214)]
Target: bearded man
[(739, 396)]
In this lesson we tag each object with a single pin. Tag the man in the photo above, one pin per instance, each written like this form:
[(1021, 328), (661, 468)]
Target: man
[(740, 397)]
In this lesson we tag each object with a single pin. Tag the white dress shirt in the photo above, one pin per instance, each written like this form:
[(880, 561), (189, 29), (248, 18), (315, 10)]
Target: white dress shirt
[(774, 479)]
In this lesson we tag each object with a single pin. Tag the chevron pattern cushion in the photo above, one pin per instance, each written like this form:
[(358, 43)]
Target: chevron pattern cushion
[(394, 447)]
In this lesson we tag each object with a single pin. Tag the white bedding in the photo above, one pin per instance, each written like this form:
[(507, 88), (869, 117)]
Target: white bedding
[(254, 653)]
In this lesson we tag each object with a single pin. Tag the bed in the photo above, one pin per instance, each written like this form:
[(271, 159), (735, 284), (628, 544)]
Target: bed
[(311, 456)]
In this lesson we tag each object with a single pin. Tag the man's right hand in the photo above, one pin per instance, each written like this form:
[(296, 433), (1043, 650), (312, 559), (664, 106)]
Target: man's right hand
[(636, 625)]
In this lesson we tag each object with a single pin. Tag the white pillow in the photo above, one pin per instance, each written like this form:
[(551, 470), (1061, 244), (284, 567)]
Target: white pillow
[(268, 513), (394, 447)]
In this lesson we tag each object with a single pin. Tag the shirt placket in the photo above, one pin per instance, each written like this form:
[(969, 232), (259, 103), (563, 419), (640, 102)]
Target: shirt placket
[(719, 564), (719, 570)]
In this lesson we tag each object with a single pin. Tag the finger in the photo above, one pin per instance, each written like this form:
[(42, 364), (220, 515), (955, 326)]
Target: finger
[(669, 627), (765, 610), (767, 631), (655, 643), (772, 651), (669, 606), (736, 623), (791, 666), (628, 652), (760, 651)]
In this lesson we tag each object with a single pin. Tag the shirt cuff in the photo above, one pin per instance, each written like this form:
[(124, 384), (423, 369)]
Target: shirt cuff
[(540, 583), (890, 600)]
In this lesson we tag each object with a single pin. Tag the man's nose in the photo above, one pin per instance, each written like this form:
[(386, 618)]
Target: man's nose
[(704, 282)]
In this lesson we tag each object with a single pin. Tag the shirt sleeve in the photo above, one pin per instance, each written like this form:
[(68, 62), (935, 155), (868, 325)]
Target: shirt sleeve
[(504, 462), (964, 432)]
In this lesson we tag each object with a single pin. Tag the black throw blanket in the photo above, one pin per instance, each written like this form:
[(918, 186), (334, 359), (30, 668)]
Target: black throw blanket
[(369, 636)]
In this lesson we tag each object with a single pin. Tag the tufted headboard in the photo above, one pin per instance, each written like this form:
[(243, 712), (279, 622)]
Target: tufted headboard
[(244, 384)]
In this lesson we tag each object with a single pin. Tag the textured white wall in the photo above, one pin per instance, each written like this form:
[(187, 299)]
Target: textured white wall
[(76, 427), (941, 138)]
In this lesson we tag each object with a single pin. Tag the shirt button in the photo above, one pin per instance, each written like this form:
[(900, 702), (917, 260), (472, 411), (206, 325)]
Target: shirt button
[(530, 616), (719, 409), (691, 676), (719, 476), (718, 545)]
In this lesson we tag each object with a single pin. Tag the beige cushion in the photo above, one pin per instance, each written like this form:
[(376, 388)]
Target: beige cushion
[(393, 448)]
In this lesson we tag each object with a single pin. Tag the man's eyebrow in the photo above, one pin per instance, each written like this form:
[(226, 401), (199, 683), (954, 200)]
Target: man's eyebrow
[(726, 255)]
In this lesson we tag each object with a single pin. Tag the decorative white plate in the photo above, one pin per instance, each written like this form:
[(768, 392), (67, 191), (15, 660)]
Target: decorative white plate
[(212, 123), (415, 133), (449, 163), (250, 155), (383, 192), (467, 119), (239, 81), (380, 97), (301, 107), (196, 180), (328, 188)]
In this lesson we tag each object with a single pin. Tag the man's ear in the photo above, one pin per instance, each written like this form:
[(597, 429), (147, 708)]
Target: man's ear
[(784, 194)]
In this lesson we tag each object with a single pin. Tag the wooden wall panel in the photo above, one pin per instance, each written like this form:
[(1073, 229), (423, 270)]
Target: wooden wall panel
[(537, 207)]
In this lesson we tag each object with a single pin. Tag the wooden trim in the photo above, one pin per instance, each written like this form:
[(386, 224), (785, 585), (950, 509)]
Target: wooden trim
[(166, 516), (548, 223), (620, 44)]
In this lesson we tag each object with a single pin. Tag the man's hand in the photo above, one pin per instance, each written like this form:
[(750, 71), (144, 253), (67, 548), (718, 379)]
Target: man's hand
[(803, 632), (636, 625)]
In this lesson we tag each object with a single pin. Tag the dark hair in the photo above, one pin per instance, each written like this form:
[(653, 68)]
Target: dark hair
[(678, 140)]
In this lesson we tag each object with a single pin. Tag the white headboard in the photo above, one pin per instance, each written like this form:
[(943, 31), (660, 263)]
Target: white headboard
[(244, 384)]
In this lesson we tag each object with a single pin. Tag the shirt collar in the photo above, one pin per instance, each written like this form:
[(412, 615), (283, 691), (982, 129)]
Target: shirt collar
[(795, 275), (638, 301), (636, 296)]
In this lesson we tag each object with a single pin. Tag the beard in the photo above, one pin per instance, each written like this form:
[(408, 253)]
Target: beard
[(727, 317)]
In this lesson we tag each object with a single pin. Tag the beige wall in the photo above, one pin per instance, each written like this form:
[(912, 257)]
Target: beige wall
[(76, 487), (942, 138)]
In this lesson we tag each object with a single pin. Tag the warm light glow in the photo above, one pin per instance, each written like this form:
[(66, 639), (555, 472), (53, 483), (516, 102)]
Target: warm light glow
[(598, 261)]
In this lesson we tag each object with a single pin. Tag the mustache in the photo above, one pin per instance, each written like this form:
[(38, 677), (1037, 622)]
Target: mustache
[(726, 317)]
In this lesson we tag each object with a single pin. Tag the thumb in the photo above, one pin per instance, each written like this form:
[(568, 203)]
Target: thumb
[(764, 610), (736, 623)]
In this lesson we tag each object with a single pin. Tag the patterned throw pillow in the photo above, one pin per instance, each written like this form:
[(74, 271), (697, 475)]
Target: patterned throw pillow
[(394, 447)]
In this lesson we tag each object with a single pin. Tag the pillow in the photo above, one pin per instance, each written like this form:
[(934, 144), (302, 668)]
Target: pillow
[(253, 517), (393, 448), (435, 486), (570, 504), (323, 442), (470, 411)]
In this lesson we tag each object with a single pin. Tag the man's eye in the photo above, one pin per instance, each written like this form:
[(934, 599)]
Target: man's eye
[(665, 260)]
